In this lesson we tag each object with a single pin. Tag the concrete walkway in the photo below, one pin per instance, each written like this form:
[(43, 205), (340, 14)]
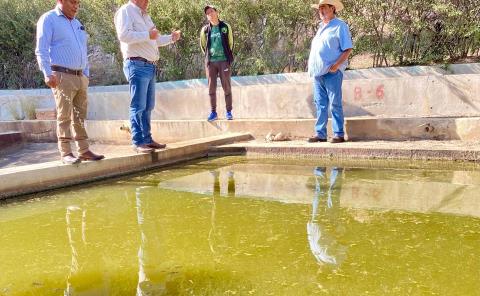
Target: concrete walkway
[(356, 128), (408, 150), (40, 176), (34, 153)]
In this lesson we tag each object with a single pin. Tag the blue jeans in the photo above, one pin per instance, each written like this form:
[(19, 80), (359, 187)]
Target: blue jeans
[(327, 91), (141, 77)]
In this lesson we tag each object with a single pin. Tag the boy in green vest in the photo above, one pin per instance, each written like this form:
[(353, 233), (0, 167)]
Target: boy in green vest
[(216, 41)]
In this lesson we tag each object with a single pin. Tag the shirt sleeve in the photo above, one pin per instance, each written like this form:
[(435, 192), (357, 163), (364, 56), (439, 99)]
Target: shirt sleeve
[(42, 50), (345, 37), (164, 40), (231, 42), (86, 71), (124, 28), (203, 40)]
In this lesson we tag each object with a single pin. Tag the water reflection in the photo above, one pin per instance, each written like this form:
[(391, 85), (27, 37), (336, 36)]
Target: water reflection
[(323, 244), (186, 237), (258, 181), (216, 183), (450, 192), (216, 193), (151, 280), (231, 184), (81, 264), (74, 242)]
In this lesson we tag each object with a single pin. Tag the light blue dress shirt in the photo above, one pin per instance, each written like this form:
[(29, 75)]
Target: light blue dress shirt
[(61, 42), (328, 45)]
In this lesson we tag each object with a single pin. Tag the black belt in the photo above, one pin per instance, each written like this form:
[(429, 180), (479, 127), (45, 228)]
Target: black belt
[(66, 70), (141, 59)]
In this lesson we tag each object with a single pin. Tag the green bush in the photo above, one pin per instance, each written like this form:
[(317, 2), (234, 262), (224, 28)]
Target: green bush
[(271, 36), (17, 42), (415, 32)]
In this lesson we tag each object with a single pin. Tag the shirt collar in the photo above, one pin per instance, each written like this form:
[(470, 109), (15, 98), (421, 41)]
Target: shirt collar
[(59, 12), (137, 8), (323, 25), (330, 22)]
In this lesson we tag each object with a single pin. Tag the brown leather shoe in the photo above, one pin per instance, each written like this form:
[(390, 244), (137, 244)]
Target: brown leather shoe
[(155, 145), (89, 155), (70, 159), (315, 139), (142, 149), (337, 139)]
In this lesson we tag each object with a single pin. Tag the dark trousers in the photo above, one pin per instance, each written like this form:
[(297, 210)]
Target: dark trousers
[(222, 70)]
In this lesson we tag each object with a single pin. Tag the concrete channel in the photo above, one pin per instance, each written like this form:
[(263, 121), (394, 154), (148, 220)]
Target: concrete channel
[(50, 175)]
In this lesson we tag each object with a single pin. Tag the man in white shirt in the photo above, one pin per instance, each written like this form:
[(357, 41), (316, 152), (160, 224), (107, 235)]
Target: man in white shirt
[(139, 42)]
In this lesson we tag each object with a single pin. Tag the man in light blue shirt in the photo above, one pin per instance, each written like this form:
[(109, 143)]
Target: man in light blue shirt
[(329, 53), (62, 56), (325, 225)]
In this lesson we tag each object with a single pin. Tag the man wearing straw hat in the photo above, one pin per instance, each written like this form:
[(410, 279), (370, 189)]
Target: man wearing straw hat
[(329, 53)]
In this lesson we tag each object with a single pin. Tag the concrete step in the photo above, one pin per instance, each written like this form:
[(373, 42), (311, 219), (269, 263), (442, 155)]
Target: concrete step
[(10, 138), (356, 128), (391, 129), (401, 150)]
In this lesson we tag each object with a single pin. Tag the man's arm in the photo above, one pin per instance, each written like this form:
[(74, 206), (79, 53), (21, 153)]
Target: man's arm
[(231, 42), (86, 71), (164, 40), (42, 50), (203, 40), (125, 32), (343, 57), (346, 46)]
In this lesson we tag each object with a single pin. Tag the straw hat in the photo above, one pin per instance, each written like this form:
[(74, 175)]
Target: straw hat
[(338, 5)]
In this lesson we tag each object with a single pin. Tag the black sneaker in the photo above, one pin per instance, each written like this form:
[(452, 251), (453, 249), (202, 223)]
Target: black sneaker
[(315, 139)]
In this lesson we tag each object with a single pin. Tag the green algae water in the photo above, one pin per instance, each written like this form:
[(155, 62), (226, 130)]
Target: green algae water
[(238, 226)]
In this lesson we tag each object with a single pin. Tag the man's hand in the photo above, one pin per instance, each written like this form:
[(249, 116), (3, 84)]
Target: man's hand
[(333, 68), (176, 35), (153, 33), (52, 81)]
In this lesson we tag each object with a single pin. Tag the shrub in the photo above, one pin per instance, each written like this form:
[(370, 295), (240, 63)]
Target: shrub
[(271, 36)]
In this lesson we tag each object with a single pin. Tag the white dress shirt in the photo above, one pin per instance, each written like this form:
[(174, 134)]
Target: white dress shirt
[(133, 26)]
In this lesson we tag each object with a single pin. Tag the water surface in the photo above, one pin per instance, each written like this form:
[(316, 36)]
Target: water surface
[(237, 226)]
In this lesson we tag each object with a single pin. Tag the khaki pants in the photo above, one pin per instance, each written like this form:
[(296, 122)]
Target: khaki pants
[(71, 103), (222, 70)]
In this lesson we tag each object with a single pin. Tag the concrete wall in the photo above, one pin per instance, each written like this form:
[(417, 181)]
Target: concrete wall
[(383, 92), (357, 129)]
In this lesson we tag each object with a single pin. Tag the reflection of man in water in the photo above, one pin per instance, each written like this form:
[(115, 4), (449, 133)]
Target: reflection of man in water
[(85, 276), (230, 184), (151, 280), (213, 233), (323, 245)]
